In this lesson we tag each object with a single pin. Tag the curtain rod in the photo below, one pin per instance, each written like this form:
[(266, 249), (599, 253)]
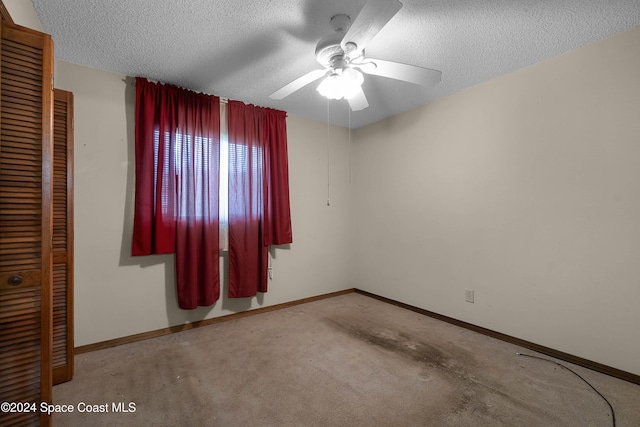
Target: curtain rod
[(133, 83), (223, 99)]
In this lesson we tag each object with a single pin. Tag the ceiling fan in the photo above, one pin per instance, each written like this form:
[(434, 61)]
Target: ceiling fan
[(342, 56)]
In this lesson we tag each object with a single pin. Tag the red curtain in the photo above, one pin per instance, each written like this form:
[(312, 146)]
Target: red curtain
[(277, 209), (259, 211), (177, 139)]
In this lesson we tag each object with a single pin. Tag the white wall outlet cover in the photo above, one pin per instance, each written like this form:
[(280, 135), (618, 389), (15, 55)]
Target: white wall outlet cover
[(468, 295)]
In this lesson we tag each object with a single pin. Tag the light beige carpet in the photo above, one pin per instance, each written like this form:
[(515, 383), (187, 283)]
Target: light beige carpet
[(344, 361)]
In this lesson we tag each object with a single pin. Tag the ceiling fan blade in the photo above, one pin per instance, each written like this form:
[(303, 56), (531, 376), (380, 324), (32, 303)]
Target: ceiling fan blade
[(298, 84), (358, 101), (374, 15), (396, 70)]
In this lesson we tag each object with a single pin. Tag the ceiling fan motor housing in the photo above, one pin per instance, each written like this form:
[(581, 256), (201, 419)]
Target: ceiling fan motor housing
[(328, 49)]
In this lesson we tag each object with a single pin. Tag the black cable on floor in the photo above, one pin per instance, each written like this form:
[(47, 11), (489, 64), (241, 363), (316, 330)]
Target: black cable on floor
[(613, 414)]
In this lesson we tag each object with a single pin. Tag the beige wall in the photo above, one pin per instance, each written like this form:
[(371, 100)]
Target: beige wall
[(23, 13), (525, 189)]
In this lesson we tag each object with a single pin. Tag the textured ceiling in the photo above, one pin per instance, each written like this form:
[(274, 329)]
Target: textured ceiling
[(246, 50)]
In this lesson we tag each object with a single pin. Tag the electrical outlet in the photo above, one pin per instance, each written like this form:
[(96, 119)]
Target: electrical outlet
[(468, 295)]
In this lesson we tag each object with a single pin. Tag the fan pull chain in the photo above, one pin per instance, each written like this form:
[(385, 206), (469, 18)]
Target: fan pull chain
[(349, 145), (328, 160)]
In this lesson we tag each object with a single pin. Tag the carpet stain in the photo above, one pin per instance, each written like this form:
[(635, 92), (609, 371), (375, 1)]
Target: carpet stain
[(451, 362)]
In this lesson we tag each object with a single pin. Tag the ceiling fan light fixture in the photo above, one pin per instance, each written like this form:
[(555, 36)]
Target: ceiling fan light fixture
[(341, 85), (331, 87), (352, 80)]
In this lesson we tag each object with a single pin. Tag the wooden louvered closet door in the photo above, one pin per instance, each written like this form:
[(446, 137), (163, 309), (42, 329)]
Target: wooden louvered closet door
[(62, 236), (26, 126)]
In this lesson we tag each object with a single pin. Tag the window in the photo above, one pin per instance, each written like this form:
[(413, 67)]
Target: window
[(183, 155), (224, 178)]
